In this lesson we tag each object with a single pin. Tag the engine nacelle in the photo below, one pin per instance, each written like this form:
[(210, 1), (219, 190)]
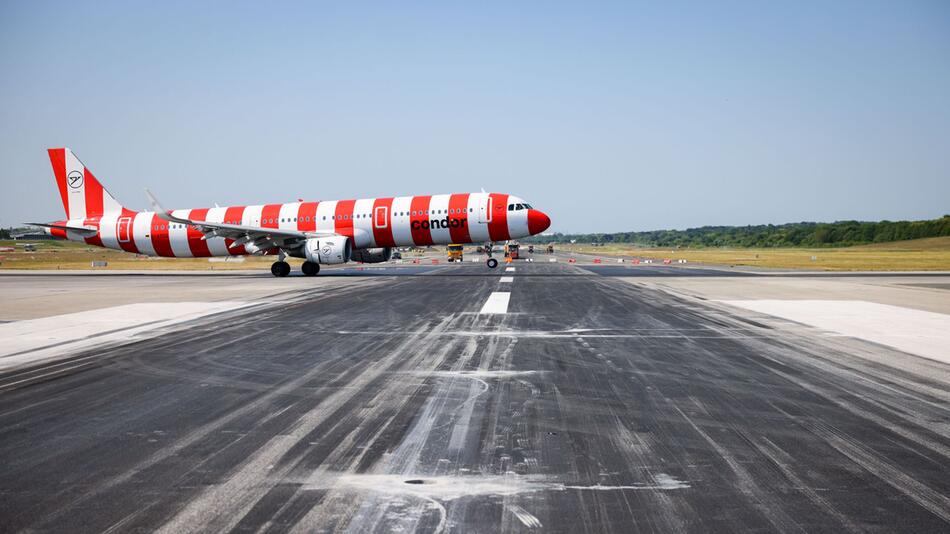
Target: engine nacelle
[(372, 255), (328, 250)]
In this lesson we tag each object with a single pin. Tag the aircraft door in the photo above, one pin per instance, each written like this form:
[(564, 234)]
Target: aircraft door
[(381, 218), (484, 210), (122, 227)]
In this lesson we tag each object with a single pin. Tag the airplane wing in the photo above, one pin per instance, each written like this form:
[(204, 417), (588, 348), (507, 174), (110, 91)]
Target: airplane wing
[(253, 237), (84, 231)]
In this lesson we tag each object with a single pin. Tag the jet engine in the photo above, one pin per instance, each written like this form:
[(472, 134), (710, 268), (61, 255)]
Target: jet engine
[(328, 250), (372, 255)]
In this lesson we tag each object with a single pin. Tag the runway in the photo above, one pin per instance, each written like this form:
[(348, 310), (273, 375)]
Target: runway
[(590, 400)]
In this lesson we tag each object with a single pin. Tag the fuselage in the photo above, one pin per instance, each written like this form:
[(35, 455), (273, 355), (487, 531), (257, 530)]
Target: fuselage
[(369, 223)]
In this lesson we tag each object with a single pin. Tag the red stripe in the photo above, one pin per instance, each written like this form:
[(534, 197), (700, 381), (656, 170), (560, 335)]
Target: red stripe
[(270, 216), (498, 227), (159, 233), (96, 239), (57, 157), (383, 236), (199, 248), (128, 246), (344, 217), (234, 215), (93, 192), (458, 209), (418, 208), (307, 210)]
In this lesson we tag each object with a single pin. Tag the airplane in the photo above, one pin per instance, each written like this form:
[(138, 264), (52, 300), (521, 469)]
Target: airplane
[(327, 232)]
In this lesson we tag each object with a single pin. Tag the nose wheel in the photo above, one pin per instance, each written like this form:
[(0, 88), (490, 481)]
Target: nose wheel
[(280, 269), (492, 263), (310, 268)]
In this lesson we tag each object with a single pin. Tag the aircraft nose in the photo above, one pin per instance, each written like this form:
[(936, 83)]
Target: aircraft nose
[(537, 222)]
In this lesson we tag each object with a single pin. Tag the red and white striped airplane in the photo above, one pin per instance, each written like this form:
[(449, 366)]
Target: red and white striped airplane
[(325, 232)]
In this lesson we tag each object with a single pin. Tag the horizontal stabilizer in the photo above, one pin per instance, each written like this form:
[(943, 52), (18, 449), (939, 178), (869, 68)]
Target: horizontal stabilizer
[(85, 231)]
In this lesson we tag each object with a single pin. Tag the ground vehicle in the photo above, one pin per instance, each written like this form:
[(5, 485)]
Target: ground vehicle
[(511, 251), (530, 249), (550, 249), (454, 252)]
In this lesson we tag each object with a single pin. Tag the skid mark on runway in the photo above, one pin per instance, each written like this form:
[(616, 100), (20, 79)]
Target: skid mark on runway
[(232, 498), (784, 462), (933, 501)]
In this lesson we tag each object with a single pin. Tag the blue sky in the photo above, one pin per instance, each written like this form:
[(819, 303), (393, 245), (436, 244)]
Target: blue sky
[(608, 116)]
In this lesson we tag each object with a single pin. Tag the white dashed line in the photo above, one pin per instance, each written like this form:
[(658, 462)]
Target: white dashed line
[(497, 303), (509, 269), (507, 279)]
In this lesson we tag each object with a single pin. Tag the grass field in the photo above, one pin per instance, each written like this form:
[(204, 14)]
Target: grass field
[(68, 255), (931, 254)]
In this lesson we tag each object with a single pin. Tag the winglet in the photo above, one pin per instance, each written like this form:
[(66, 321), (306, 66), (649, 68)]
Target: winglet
[(162, 213)]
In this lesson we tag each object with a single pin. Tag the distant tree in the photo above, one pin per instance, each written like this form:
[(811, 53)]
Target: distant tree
[(836, 234)]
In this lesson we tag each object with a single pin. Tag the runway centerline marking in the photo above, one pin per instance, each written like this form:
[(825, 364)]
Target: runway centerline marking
[(506, 279), (509, 269), (497, 303)]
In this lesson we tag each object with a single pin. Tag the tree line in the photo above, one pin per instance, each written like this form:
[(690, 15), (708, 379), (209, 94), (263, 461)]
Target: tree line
[(802, 234)]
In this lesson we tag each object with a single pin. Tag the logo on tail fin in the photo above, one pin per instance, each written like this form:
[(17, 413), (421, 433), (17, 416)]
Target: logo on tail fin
[(74, 179)]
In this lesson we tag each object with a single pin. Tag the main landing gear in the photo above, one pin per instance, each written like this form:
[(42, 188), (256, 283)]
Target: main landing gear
[(280, 269), (310, 268), (492, 263)]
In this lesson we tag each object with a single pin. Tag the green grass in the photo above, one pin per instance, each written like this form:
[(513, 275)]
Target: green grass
[(930, 254)]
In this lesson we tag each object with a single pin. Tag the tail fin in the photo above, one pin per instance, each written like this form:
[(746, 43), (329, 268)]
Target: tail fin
[(83, 196)]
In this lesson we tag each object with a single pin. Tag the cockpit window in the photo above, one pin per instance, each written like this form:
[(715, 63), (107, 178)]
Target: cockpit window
[(528, 207), (511, 207)]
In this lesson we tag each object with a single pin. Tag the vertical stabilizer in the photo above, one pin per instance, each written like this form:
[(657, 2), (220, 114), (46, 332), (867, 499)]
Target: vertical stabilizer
[(82, 194)]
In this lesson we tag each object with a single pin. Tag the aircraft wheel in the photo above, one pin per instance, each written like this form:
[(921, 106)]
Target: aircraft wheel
[(280, 269), (310, 268), (492, 263)]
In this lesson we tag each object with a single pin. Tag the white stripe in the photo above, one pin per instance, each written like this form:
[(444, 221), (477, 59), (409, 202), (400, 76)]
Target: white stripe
[(142, 232), (75, 196), (497, 303), (402, 232), (509, 269), (325, 213), (478, 231), (178, 235), (364, 238), (439, 203), (287, 214), (507, 279), (217, 245)]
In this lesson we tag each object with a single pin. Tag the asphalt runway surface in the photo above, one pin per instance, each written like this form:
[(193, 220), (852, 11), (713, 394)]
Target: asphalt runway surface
[(391, 404)]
